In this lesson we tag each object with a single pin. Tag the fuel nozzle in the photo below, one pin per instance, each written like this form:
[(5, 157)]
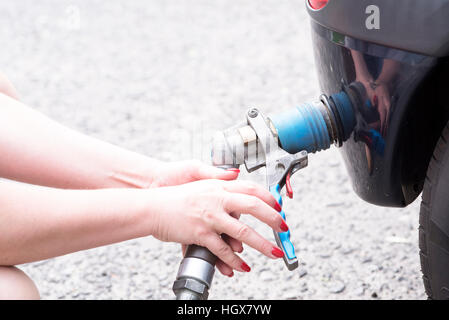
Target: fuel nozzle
[(280, 143), (311, 127)]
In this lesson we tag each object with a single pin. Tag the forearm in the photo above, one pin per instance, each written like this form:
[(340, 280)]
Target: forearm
[(38, 222), (361, 70), (37, 150), (389, 70)]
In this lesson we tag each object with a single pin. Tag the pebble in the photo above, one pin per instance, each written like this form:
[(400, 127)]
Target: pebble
[(302, 272), (337, 287)]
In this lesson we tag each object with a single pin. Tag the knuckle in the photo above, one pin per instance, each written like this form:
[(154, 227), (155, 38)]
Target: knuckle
[(252, 205), (235, 261), (201, 234), (252, 187), (207, 216), (276, 220), (265, 247), (224, 201), (243, 232), (223, 250)]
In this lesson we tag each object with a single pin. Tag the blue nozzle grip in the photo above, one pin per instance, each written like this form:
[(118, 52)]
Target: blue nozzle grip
[(283, 238)]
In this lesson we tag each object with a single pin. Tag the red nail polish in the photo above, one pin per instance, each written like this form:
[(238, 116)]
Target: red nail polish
[(233, 170), (245, 267), (278, 207), (231, 275), (277, 252), (284, 226)]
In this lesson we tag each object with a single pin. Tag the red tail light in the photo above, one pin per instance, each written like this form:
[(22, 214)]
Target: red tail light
[(317, 4)]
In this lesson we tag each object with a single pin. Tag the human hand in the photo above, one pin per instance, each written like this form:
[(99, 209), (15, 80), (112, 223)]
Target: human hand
[(206, 213), (235, 245), (367, 81), (179, 172), (382, 97)]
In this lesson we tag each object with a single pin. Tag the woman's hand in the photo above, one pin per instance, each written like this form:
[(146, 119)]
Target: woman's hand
[(205, 213), (166, 174), (382, 95), (180, 172)]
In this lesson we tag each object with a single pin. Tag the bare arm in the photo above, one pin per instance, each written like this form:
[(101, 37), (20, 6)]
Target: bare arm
[(40, 222), (36, 149), (389, 71)]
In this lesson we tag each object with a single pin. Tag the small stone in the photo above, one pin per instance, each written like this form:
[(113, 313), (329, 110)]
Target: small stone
[(367, 259), (302, 272), (337, 287), (335, 204), (325, 255), (347, 250)]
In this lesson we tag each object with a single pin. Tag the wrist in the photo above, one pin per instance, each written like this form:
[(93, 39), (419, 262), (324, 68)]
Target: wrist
[(138, 172), (152, 203)]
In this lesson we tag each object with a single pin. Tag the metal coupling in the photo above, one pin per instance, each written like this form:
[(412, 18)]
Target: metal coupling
[(195, 274)]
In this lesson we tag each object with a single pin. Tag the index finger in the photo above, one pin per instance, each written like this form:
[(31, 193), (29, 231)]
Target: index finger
[(242, 203), (252, 189)]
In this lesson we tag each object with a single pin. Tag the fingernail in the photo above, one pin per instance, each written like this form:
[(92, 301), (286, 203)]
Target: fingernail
[(231, 274), (278, 207), (245, 267), (284, 226), (277, 252), (233, 170)]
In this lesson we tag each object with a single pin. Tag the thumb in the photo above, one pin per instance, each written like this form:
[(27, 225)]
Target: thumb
[(211, 172)]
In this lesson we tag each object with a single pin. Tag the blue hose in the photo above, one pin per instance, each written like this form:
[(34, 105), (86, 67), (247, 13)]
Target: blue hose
[(305, 127), (302, 128)]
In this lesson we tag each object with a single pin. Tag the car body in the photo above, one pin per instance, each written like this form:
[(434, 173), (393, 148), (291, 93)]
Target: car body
[(398, 50)]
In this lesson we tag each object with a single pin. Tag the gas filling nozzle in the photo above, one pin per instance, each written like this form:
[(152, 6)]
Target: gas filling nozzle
[(280, 143)]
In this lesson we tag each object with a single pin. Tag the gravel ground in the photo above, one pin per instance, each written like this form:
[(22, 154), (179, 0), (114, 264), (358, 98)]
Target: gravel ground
[(159, 77)]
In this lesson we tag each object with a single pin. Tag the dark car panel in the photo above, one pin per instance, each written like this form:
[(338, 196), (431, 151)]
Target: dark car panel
[(420, 26), (399, 118)]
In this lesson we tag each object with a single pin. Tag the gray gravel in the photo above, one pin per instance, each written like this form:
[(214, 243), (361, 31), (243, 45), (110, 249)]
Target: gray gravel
[(159, 77)]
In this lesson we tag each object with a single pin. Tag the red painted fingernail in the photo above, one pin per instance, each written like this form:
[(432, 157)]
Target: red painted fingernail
[(233, 170), (245, 267), (277, 252), (284, 226), (231, 275), (278, 207)]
